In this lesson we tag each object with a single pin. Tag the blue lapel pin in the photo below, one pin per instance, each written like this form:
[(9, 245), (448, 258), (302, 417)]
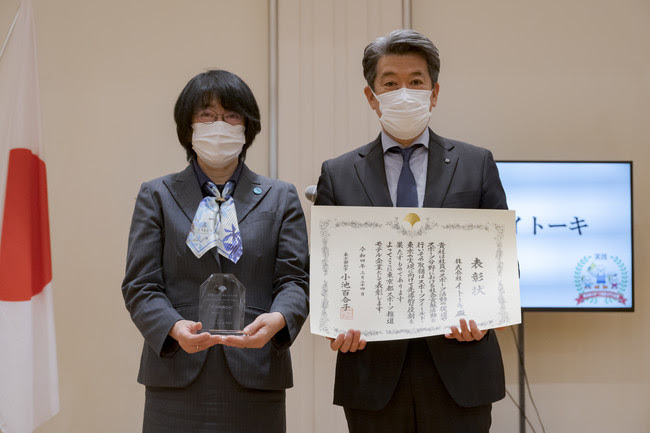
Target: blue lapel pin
[(257, 190)]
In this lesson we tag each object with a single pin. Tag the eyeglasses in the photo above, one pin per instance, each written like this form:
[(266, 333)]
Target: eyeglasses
[(209, 116)]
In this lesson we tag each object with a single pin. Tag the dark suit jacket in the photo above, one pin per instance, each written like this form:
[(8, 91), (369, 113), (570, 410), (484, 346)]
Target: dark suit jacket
[(459, 175), (163, 276)]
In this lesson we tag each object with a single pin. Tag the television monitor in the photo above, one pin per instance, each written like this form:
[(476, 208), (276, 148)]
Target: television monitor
[(574, 233)]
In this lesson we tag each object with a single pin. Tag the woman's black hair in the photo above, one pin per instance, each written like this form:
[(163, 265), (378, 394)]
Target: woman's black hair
[(224, 87)]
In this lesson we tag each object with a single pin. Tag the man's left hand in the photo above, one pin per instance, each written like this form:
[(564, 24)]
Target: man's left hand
[(466, 333)]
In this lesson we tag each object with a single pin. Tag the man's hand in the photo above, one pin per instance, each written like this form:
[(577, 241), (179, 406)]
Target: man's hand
[(471, 333), (258, 333), (185, 332), (350, 342)]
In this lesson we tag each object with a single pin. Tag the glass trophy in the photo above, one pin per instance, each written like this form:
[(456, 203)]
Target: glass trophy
[(221, 305)]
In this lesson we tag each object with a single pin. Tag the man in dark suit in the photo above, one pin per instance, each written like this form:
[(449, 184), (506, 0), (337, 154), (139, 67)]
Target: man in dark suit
[(436, 384)]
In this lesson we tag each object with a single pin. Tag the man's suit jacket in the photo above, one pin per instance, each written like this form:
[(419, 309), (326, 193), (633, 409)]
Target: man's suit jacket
[(459, 175), (162, 280)]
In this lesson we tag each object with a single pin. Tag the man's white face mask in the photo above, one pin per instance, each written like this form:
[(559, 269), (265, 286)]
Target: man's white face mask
[(219, 143), (404, 112)]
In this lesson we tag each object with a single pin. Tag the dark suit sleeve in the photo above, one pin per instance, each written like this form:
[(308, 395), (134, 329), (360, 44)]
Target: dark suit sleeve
[(143, 287), (324, 192), (291, 281), (493, 197)]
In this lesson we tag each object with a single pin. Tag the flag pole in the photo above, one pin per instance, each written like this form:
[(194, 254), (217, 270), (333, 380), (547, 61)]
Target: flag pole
[(11, 29)]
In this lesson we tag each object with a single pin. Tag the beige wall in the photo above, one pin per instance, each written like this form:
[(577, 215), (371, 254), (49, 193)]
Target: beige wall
[(322, 113), (559, 80), (110, 74), (549, 80)]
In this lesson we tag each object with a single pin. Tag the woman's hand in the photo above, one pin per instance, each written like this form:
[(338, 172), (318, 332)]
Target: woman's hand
[(258, 333), (185, 332)]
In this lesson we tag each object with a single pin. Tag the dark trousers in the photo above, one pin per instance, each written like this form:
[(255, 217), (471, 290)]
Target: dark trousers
[(420, 404)]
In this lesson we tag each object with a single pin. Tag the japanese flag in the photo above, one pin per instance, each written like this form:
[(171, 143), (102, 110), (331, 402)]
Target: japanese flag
[(28, 371)]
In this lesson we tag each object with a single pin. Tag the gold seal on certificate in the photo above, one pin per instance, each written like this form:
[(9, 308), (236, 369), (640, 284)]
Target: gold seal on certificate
[(222, 298)]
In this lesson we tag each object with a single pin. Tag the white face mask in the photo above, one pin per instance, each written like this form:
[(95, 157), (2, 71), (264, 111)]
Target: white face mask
[(404, 112), (219, 143)]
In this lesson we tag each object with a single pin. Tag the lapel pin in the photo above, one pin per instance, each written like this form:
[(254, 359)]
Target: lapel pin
[(447, 161), (257, 190)]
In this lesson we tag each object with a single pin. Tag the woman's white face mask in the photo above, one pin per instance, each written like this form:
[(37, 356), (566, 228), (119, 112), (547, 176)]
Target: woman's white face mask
[(219, 143), (405, 113)]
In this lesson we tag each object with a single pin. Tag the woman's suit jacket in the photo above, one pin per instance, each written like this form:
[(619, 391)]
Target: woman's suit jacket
[(459, 175), (162, 280)]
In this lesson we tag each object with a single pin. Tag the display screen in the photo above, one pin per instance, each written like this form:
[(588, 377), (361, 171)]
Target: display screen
[(574, 233)]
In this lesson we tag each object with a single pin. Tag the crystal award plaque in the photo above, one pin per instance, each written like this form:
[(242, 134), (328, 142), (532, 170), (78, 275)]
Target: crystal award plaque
[(221, 305)]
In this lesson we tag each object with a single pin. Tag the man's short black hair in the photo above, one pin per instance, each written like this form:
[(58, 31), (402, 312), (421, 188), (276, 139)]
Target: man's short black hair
[(403, 41)]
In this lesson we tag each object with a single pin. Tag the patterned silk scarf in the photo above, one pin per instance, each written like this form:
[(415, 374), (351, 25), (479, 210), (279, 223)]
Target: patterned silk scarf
[(215, 224)]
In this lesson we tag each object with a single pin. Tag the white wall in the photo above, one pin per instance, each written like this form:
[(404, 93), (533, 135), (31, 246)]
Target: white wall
[(551, 80)]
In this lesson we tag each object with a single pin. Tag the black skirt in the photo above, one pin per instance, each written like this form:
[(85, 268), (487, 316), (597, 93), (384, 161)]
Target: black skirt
[(214, 403)]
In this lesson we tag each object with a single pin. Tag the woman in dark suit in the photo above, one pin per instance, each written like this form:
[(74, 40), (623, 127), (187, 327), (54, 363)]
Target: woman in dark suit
[(195, 381)]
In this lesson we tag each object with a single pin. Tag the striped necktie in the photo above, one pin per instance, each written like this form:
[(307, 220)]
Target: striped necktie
[(215, 224)]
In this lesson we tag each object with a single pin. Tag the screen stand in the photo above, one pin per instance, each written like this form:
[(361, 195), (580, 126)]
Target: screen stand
[(522, 377)]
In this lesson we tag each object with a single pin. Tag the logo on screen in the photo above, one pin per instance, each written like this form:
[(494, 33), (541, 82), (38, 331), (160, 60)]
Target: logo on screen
[(601, 279)]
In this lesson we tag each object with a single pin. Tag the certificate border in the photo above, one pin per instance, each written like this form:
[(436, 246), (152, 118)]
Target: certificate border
[(327, 225)]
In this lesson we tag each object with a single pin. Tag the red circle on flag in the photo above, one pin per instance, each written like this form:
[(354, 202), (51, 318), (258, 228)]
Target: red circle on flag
[(25, 260)]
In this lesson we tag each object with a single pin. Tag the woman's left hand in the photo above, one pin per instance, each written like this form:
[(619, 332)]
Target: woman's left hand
[(258, 333)]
